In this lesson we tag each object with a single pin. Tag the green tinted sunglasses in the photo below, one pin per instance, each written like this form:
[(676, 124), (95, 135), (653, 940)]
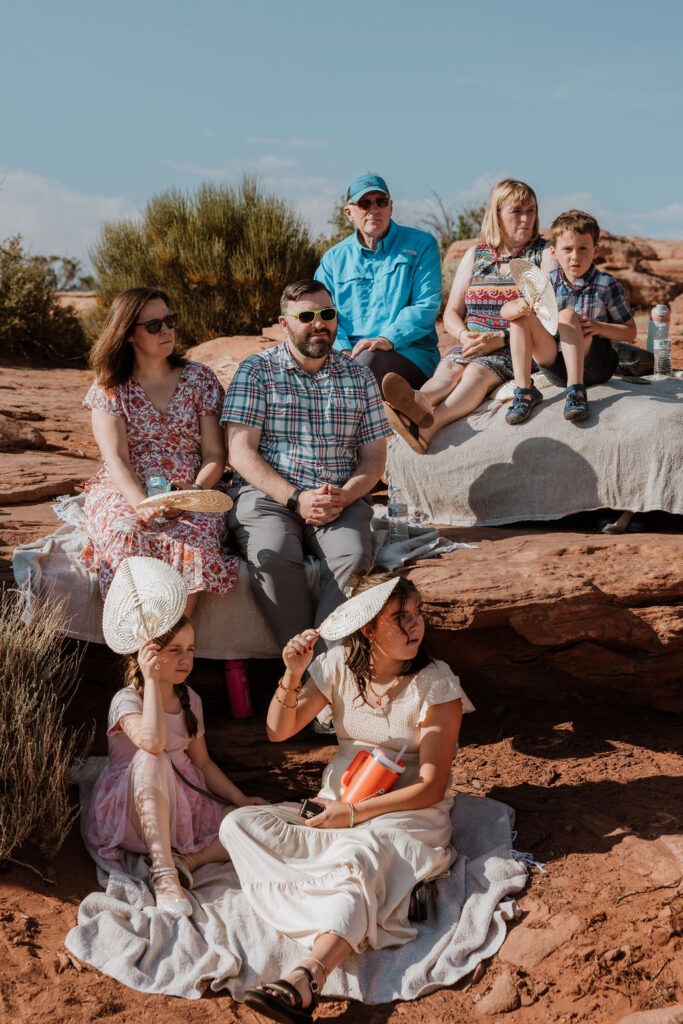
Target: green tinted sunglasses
[(307, 316)]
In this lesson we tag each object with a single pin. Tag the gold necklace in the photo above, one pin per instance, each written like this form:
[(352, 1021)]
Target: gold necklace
[(382, 698)]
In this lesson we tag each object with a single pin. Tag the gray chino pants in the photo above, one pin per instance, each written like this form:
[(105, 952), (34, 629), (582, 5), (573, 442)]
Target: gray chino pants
[(274, 540)]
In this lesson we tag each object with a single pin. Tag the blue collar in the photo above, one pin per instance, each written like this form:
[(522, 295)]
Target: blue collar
[(581, 282)]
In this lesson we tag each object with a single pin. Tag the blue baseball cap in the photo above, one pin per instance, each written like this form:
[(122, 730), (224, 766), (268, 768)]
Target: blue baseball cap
[(366, 183)]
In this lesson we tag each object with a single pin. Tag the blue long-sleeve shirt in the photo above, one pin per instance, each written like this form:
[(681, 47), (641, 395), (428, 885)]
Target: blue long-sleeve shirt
[(393, 292)]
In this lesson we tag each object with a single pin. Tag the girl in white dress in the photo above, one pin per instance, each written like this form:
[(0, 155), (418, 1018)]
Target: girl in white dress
[(342, 880)]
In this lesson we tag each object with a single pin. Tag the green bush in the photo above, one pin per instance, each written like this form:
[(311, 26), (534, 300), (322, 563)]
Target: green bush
[(223, 255), (32, 323), (38, 675)]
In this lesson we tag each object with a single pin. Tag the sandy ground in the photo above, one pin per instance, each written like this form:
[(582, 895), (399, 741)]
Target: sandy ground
[(597, 789)]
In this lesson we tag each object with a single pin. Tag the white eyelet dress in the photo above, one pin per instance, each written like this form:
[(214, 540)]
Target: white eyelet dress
[(353, 882)]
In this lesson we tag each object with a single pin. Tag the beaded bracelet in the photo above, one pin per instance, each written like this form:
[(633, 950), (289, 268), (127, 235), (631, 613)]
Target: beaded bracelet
[(351, 814), (460, 332), (289, 689), (289, 707)]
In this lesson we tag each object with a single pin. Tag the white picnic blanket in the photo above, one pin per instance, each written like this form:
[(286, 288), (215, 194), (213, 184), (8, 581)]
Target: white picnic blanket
[(228, 625), (224, 945), (481, 471)]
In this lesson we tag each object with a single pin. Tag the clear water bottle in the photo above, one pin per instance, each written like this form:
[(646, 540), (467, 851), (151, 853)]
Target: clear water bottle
[(156, 484), (658, 338), (397, 512)]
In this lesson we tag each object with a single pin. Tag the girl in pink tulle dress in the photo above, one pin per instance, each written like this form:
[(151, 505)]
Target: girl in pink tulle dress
[(140, 802)]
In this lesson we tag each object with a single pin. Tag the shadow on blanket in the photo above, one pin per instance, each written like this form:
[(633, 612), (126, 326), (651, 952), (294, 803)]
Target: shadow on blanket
[(224, 945)]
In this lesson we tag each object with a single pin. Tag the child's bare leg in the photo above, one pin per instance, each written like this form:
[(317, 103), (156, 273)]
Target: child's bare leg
[(529, 339), (214, 853), (575, 347), (447, 374), (330, 950), (154, 816), (475, 384), (191, 604)]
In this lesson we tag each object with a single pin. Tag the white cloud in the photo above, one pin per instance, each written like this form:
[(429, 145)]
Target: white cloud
[(51, 218), (271, 160), (296, 143), (662, 222)]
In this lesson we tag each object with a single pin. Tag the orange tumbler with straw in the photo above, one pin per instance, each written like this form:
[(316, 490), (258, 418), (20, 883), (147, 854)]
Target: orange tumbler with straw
[(370, 774)]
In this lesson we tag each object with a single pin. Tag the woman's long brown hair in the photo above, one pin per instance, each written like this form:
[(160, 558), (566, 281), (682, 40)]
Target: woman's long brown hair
[(359, 647), (133, 676), (112, 355)]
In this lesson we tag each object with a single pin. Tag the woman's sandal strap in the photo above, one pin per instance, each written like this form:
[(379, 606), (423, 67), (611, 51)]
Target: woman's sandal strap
[(282, 987)]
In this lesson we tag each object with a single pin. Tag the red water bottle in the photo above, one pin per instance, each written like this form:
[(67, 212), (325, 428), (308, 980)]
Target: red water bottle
[(237, 689)]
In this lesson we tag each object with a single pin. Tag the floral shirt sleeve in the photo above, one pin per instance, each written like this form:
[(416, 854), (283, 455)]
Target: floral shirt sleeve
[(107, 399), (210, 392)]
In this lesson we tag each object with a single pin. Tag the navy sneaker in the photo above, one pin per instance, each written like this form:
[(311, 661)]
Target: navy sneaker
[(576, 403), (523, 402)]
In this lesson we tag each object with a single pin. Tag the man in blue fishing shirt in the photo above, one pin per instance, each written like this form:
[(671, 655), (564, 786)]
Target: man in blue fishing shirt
[(386, 283)]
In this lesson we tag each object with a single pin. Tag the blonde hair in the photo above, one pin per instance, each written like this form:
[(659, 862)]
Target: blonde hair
[(133, 676), (509, 189)]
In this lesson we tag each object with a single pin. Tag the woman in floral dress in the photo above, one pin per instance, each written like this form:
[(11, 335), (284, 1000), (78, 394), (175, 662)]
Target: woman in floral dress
[(153, 414)]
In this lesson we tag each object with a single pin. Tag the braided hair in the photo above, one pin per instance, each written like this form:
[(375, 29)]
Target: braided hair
[(359, 647), (133, 676)]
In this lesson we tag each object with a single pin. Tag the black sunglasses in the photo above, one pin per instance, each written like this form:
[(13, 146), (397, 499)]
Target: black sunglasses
[(366, 204), (307, 316), (154, 326)]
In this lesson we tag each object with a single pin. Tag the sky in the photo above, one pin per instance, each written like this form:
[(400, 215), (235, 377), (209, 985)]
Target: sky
[(105, 105)]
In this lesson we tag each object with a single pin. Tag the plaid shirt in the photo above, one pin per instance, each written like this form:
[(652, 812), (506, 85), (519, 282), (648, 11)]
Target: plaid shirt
[(596, 295), (311, 425)]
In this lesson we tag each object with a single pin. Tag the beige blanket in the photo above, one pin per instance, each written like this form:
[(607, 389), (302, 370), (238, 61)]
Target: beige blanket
[(224, 945), (481, 471)]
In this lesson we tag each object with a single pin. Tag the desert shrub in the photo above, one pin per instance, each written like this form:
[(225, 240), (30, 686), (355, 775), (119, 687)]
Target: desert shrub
[(38, 675), (449, 224), (32, 323), (223, 254), (339, 223)]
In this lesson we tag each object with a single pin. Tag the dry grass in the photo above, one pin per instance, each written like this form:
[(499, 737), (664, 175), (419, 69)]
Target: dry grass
[(38, 676)]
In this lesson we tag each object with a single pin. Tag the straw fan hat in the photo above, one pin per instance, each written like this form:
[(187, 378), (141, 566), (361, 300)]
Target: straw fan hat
[(537, 290), (146, 598), (189, 501), (357, 611)]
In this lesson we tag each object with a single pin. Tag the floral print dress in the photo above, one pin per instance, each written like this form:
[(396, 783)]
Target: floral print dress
[(161, 443)]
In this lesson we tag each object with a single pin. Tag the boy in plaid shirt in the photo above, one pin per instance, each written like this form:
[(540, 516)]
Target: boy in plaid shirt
[(307, 439), (593, 313)]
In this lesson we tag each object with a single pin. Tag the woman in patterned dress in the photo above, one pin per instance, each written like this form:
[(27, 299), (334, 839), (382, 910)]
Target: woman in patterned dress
[(153, 413), (481, 359)]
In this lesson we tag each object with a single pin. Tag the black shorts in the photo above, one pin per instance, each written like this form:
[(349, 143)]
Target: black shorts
[(599, 365)]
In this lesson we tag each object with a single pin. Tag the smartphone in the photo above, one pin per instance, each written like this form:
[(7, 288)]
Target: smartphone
[(309, 809)]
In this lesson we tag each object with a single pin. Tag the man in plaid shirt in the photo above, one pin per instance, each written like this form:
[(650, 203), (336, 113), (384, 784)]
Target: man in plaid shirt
[(307, 439)]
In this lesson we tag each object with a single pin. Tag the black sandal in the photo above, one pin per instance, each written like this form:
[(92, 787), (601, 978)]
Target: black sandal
[(280, 1000)]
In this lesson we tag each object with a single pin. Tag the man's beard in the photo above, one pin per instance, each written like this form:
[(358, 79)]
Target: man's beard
[(313, 348)]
